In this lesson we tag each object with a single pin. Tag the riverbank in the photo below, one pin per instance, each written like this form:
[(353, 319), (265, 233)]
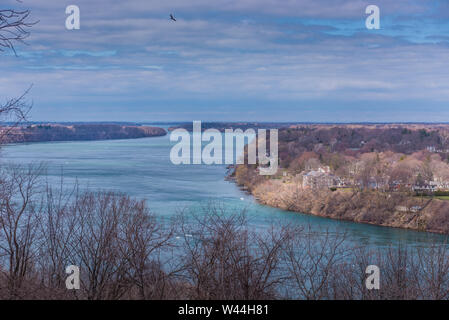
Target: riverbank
[(76, 132), (360, 174), (397, 210)]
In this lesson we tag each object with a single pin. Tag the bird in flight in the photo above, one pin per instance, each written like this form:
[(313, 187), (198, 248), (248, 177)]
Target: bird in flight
[(172, 18)]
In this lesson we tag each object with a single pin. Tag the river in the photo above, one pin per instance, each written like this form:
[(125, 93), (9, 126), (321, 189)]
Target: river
[(142, 169)]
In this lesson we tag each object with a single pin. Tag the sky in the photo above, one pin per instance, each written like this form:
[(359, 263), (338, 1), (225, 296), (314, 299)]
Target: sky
[(233, 60)]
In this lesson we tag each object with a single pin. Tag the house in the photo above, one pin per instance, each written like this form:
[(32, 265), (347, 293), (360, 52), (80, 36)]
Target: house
[(401, 208), (320, 179), (317, 180), (431, 149), (428, 186), (444, 185)]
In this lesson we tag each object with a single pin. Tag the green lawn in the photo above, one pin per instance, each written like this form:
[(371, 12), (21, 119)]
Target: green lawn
[(436, 197)]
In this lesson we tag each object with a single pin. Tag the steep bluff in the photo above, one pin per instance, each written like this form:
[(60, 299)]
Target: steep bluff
[(78, 132), (377, 208)]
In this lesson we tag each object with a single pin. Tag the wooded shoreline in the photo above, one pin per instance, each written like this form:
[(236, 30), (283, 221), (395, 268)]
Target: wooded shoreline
[(76, 132), (390, 175)]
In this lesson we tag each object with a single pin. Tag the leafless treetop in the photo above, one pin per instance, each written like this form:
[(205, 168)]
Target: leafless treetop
[(14, 26)]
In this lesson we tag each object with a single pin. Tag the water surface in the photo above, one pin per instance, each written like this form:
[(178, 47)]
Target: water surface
[(142, 168)]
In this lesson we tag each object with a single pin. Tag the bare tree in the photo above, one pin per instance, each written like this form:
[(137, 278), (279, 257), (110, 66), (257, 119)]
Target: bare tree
[(430, 272), (313, 262), (14, 28), (57, 225), (19, 210), (94, 245), (114, 240), (225, 259), (14, 111), (142, 241)]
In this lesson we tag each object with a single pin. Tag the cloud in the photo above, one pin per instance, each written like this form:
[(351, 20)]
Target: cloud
[(74, 53), (239, 54), (153, 67)]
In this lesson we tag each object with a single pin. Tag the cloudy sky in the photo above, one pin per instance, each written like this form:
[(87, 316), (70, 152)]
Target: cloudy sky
[(251, 60)]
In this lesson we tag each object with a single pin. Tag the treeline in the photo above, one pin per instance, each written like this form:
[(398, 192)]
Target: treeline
[(377, 187), (386, 159), (77, 132), (126, 252), (355, 140)]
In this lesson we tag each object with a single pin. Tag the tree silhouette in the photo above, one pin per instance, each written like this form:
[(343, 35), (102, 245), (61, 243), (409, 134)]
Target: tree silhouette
[(14, 29)]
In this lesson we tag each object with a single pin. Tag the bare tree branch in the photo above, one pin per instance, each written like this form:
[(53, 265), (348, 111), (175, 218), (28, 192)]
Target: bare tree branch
[(14, 25), (14, 28)]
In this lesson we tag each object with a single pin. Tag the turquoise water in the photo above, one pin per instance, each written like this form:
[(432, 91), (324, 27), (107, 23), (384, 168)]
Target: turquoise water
[(142, 168)]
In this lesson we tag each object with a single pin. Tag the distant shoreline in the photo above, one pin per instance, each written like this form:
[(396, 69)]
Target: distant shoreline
[(76, 132)]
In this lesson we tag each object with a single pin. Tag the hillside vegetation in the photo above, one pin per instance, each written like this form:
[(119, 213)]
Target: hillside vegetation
[(386, 175), (78, 132)]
